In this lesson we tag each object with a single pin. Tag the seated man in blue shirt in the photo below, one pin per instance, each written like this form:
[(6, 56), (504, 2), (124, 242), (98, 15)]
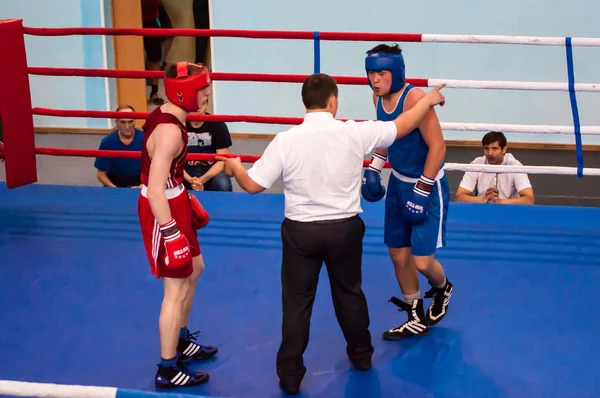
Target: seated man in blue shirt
[(207, 137), (119, 172)]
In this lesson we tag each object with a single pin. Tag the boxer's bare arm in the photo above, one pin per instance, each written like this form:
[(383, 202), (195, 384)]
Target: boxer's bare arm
[(431, 131), (164, 145), (382, 151), (420, 111)]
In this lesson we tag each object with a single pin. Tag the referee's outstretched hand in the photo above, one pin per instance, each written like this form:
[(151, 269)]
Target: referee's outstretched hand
[(436, 97), (230, 164)]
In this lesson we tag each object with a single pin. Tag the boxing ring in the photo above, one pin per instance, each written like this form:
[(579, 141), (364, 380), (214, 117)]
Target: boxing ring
[(80, 309)]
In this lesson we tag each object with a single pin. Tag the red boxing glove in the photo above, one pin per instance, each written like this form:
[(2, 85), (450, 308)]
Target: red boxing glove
[(200, 216), (177, 249)]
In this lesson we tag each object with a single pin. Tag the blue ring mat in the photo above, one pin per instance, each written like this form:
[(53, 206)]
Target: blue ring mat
[(79, 305)]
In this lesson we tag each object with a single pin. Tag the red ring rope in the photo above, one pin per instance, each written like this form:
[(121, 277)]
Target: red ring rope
[(223, 76), (94, 153), (252, 34), (304, 35), (144, 115)]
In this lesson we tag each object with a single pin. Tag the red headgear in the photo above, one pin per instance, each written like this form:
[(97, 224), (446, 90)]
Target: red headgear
[(183, 89)]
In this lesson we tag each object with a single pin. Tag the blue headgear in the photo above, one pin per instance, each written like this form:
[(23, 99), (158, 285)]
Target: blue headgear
[(383, 61)]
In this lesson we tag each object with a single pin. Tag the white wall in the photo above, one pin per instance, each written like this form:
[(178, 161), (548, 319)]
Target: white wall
[(452, 61), (577, 18)]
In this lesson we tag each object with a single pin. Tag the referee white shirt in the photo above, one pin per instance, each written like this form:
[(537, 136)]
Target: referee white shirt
[(508, 184), (320, 163)]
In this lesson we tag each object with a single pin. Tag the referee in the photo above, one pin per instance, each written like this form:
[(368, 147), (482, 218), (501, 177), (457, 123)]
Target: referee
[(320, 162)]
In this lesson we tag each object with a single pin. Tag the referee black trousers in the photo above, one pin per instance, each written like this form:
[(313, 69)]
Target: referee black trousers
[(306, 246)]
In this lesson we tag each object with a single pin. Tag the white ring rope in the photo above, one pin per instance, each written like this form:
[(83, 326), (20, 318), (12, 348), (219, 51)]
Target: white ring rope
[(525, 40), (51, 390), (520, 128), (513, 85), (28, 389), (501, 169)]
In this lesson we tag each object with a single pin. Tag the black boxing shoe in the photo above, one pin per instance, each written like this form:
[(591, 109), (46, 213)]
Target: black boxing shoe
[(439, 303), (178, 376), (189, 350), (414, 326)]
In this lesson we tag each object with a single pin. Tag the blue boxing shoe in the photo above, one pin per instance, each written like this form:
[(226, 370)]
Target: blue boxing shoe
[(177, 375), (188, 349)]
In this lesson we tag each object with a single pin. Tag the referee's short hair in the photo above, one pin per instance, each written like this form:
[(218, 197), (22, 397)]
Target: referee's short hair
[(317, 89)]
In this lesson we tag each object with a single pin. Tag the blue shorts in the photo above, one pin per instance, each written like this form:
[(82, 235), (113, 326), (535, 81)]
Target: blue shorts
[(423, 238)]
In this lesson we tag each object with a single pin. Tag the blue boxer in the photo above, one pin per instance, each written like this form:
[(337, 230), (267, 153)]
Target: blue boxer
[(416, 204), (407, 157)]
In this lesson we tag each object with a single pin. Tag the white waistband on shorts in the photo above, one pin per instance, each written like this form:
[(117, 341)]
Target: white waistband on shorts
[(169, 192), (404, 178)]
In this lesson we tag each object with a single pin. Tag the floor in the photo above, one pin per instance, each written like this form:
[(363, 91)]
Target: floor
[(79, 305)]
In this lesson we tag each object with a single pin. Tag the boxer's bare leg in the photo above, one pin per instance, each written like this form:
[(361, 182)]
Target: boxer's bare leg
[(431, 268), (171, 372), (188, 348), (406, 273), (192, 281), (171, 315)]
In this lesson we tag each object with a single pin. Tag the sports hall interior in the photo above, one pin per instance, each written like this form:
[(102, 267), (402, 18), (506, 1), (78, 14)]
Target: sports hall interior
[(526, 277)]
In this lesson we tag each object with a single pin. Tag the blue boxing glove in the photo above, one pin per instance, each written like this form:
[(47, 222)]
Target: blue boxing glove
[(371, 188), (416, 205)]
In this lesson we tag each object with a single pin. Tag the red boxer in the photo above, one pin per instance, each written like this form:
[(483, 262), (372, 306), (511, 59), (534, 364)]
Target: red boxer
[(169, 238), (166, 216)]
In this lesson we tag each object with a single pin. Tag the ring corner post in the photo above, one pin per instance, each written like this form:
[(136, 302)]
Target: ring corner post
[(16, 108)]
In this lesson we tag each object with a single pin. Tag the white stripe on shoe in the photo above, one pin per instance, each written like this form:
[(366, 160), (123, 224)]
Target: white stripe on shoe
[(191, 349), (180, 379)]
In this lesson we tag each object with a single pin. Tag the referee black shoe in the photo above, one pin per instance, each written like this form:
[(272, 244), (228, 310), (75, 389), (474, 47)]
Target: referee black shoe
[(414, 326), (178, 376), (439, 303)]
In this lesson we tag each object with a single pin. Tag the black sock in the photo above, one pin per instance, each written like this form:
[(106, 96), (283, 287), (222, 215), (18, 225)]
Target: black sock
[(154, 89)]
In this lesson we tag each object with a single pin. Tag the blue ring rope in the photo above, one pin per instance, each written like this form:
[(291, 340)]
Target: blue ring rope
[(317, 41), (574, 108)]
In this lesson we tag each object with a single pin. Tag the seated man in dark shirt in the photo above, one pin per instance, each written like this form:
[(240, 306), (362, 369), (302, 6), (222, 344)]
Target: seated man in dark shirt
[(119, 172), (207, 137)]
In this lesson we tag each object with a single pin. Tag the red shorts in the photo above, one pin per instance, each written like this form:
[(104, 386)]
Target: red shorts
[(181, 211)]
